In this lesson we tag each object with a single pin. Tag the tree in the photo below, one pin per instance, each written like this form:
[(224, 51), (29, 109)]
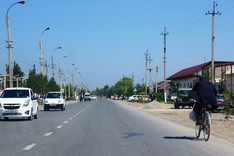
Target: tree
[(17, 73), (37, 82), (140, 88), (174, 86), (52, 86)]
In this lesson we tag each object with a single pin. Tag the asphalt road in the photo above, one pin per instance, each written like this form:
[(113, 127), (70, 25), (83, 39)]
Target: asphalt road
[(103, 128)]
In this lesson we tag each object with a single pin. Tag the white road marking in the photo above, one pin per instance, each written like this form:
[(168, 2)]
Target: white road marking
[(70, 118), (48, 134), (59, 126), (28, 147), (65, 122)]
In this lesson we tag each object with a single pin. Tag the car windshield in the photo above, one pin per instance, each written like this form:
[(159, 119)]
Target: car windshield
[(219, 97), (53, 95), (184, 92), (15, 94)]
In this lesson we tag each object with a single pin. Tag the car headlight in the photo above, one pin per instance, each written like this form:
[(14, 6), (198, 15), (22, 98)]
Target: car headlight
[(0, 105), (60, 101), (46, 102), (26, 103)]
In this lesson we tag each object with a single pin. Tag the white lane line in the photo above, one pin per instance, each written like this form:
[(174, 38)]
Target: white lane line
[(70, 118), (48, 134), (74, 116), (65, 122), (28, 147), (59, 126)]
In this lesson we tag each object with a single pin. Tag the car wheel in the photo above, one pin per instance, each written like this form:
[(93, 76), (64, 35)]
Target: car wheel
[(31, 115), (176, 106), (36, 115)]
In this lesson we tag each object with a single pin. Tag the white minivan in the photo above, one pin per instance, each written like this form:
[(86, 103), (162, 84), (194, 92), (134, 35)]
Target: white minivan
[(18, 103)]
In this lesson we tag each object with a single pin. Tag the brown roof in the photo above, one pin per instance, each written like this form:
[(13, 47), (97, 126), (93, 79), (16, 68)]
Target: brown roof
[(188, 71)]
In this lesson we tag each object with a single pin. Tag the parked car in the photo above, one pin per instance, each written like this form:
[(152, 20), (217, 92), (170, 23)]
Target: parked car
[(220, 102), (182, 98), (144, 98), (133, 98), (87, 97), (18, 103), (54, 100)]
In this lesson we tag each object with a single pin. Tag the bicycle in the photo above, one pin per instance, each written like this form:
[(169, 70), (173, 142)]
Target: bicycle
[(205, 123)]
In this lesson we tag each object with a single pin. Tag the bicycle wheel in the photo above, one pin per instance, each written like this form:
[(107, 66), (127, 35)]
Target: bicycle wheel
[(197, 130), (206, 128)]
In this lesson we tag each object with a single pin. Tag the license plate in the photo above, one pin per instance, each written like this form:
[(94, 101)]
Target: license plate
[(220, 107), (11, 111)]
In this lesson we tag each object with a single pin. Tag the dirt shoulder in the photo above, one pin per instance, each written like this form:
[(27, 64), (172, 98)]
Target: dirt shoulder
[(220, 127)]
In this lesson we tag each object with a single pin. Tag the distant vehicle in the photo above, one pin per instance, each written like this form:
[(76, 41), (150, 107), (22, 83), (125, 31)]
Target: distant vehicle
[(133, 98), (139, 98), (93, 97), (18, 103), (54, 100), (182, 98), (220, 102), (144, 98), (87, 97)]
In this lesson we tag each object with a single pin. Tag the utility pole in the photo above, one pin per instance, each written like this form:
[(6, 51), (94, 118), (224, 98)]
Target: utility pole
[(69, 85), (156, 80), (146, 68), (133, 79), (150, 69), (213, 13), (46, 68), (60, 77), (165, 33), (9, 43), (52, 66)]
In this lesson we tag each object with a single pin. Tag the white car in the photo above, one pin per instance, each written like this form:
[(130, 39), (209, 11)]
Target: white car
[(18, 103), (133, 98), (54, 100), (93, 97), (87, 97)]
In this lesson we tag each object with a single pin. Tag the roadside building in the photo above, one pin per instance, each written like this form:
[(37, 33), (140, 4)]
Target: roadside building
[(187, 77), (229, 79)]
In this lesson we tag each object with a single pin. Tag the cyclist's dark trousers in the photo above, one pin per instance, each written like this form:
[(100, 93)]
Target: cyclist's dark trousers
[(197, 109)]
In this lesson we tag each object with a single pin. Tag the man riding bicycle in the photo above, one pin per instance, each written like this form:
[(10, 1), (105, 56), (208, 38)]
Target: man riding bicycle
[(204, 93)]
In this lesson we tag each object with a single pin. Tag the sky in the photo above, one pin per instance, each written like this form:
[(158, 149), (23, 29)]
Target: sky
[(104, 40)]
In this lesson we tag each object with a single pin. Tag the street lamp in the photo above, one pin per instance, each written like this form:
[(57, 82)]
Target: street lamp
[(41, 53), (9, 46), (52, 60)]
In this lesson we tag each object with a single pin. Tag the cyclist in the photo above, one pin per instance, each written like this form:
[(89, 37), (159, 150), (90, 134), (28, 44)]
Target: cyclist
[(204, 93)]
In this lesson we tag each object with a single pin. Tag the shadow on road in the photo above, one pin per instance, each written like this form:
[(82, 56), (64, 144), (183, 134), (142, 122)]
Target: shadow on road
[(181, 138), (131, 134)]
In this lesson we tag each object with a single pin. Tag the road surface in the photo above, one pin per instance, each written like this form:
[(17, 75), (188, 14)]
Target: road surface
[(103, 128)]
